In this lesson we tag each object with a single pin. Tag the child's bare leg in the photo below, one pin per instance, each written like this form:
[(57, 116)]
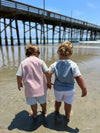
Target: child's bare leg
[(57, 106), (67, 110), (34, 110), (44, 108)]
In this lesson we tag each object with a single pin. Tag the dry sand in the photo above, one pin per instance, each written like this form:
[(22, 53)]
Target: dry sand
[(14, 117)]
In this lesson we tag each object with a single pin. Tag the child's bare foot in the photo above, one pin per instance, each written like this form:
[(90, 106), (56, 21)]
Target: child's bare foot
[(67, 118), (30, 112), (44, 111), (57, 116), (33, 114)]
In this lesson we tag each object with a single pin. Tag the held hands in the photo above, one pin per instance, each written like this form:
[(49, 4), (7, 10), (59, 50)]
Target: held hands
[(49, 85)]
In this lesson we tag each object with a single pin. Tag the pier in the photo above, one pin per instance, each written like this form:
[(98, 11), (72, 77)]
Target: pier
[(44, 21)]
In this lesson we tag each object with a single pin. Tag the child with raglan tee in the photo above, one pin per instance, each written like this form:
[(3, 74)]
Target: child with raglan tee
[(66, 71)]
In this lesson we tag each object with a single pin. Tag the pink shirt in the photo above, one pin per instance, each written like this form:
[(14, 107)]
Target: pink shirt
[(33, 79)]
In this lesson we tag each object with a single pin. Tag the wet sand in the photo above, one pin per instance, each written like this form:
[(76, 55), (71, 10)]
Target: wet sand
[(14, 117)]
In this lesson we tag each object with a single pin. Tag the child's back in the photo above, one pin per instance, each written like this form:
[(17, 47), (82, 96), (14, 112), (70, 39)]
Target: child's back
[(33, 77), (64, 75), (65, 72), (32, 71)]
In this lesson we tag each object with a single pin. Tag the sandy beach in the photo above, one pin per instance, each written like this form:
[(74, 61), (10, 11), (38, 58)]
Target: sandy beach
[(14, 116)]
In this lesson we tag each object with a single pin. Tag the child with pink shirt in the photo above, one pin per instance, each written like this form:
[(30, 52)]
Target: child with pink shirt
[(32, 71)]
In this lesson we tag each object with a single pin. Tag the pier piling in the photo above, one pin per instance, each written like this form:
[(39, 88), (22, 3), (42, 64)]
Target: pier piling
[(6, 41), (17, 32)]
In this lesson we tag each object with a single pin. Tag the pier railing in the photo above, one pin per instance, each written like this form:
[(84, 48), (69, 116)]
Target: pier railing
[(45, 13)]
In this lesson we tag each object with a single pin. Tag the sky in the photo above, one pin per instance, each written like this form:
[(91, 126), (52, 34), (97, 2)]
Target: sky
[(86, 10)]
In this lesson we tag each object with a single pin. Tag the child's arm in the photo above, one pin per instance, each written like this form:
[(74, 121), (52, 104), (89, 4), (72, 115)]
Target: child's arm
[(81, 83), (19, 82), (48, 78)]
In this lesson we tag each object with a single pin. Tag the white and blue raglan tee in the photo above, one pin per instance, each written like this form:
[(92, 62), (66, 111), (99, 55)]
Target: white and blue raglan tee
[(65, 72)]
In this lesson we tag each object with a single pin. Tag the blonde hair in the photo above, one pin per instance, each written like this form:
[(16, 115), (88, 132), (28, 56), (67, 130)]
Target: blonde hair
[(32, 49), (65, 48)]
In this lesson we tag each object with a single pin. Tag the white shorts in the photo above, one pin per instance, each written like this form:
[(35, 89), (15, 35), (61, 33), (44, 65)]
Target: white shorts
[(34, 100), (66, 96)]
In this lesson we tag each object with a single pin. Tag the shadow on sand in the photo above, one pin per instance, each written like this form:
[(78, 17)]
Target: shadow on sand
[(23, 121), (59, 125)]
